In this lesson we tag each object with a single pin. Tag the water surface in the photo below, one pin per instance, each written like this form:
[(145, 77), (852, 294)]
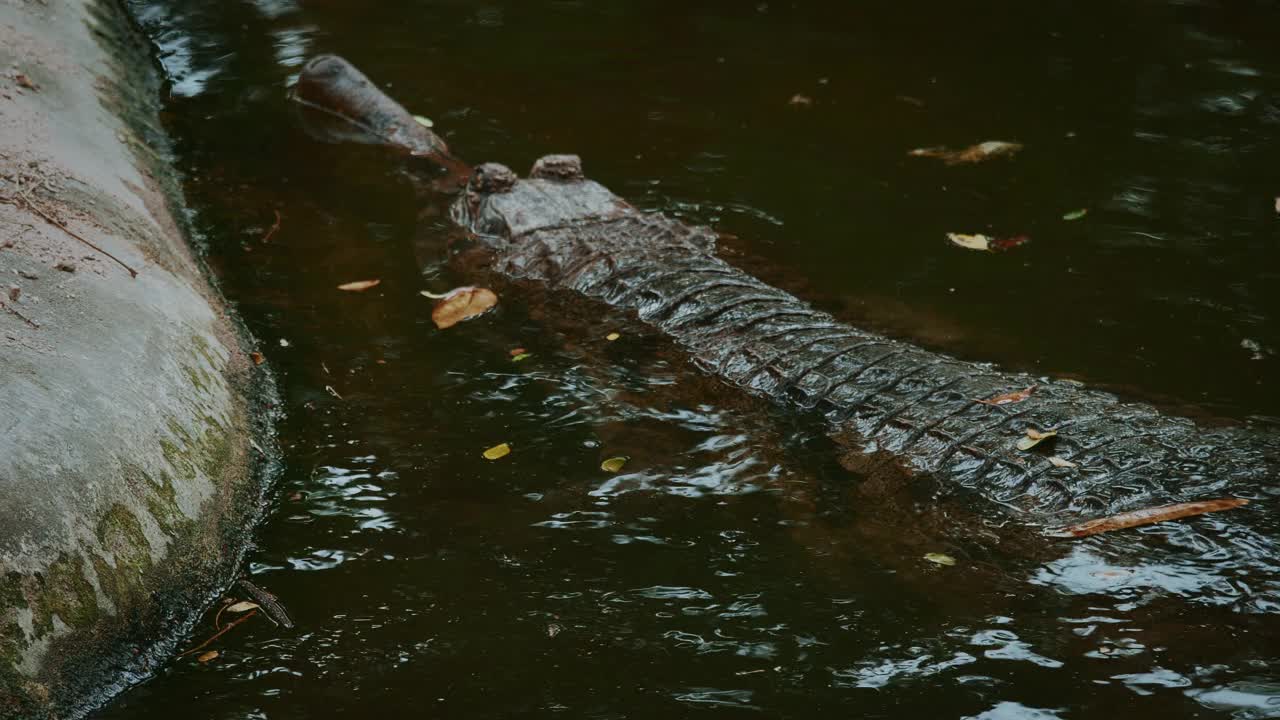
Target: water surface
[(732, 568)]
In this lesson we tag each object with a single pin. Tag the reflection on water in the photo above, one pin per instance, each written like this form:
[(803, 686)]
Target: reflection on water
[(732, 567)]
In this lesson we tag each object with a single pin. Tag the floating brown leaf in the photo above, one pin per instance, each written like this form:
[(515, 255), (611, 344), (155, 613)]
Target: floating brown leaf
[(359, 285), (1061, 463), (800, 100), (497, 451), (25, 81), (972, 154), (517, 351), (460, 304), (970, 242), (257, 357), (207, 656), (1033, 438), (1147, 516), (1012, 397), (242, 606)]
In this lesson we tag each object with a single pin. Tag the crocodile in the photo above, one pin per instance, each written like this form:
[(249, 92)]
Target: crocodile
[(880, 396)]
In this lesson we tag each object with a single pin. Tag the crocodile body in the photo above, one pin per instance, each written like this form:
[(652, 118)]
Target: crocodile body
[(881, 397), (879, 394)]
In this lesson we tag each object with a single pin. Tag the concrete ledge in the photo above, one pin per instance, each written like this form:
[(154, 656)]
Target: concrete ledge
[(128, 476)]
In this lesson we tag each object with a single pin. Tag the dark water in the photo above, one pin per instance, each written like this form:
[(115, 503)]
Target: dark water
[(732, 568)]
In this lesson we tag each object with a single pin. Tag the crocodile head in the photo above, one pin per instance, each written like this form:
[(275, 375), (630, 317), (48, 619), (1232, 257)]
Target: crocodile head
[(352, 109), (499, 207)]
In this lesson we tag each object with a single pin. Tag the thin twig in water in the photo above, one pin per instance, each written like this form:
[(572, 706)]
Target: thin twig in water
[(269, 603), (24, 318), (1146, 235), (220, 633), (274, 227)]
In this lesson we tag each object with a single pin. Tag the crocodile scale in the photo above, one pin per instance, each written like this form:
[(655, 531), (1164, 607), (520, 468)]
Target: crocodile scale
[(887, 395)]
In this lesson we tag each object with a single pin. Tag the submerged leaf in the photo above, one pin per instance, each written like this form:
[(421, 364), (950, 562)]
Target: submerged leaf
[(461, 304), (359, 285), (497, 451), (614, 464), (1034, 437), (1012, 397), (242, 606), (612, 336), (1147, 517), (800, 100), (1076, 214), (1009, 243), (1061, 463), (970, 242), (940, 559), (972, 154)]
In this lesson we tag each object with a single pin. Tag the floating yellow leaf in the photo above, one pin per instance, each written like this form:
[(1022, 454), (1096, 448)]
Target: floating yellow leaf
[(1034, 437), (970, 242), (614, 464), (1061, 463), (1012, 397), (612, 336), (972, 154), (359, 285), (242, 606), (940, 559), (521, 356), (497, 451), (461, 304), (207, 656)]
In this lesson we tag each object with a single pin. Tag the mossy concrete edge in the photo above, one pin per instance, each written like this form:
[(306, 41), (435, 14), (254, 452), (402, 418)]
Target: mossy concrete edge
[(136, 439)]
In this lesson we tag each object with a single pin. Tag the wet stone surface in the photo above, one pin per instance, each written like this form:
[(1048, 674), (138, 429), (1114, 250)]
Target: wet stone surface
[(732, 566)]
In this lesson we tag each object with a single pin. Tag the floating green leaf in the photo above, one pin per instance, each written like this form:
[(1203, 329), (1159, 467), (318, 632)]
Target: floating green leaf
[(940, 559), (424, 121), (497, 451), (521, 356), (614, 464), (1076, 214)]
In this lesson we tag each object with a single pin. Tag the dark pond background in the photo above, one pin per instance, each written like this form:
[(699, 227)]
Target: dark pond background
[(729, 570)]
